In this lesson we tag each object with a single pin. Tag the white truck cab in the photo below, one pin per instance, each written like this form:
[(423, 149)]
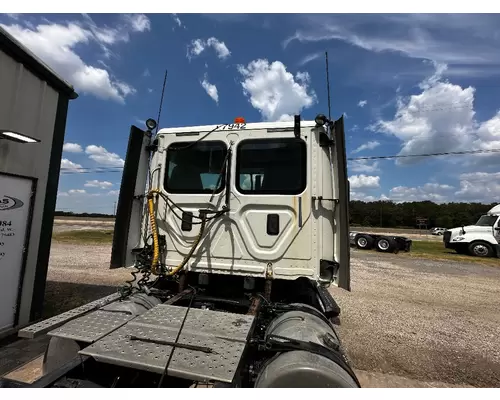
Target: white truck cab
[(481, 239), (285, 189)]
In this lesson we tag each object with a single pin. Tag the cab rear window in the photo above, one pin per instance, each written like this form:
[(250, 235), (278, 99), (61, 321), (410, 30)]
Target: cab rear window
[(195, 167), (271, 166)]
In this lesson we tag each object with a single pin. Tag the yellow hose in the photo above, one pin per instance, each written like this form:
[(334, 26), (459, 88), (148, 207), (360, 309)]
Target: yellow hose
[(193, 248), (156, 247)]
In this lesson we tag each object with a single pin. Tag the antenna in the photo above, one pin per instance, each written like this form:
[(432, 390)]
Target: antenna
[(161, 100), (328, 86)]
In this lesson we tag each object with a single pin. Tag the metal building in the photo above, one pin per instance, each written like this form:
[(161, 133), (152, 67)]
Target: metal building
[(33, 109)]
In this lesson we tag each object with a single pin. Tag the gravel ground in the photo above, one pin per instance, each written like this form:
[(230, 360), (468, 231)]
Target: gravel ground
[(421, 320)]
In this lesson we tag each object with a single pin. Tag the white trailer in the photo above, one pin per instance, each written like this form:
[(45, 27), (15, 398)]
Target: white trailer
[(480, 240)]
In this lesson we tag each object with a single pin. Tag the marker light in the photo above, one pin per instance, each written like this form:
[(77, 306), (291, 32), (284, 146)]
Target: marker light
[(239, 120), (17, 137), (150, 123), (320, 120)]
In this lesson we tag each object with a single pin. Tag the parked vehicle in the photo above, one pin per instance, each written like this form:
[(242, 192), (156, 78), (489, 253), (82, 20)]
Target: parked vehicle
[(480, 240), (438, 231), (382, 243)]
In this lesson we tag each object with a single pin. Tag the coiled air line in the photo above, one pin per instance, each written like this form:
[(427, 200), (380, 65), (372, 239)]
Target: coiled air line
[(154, 229)]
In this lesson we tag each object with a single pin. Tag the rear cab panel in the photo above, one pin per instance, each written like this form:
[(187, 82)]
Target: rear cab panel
[(276, 228), (269, 228)]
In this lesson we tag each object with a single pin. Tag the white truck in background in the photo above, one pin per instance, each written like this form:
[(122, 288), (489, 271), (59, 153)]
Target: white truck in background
[(480, 240)]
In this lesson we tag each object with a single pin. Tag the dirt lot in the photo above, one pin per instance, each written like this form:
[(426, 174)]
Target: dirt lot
[(407, 322), (62, 224)]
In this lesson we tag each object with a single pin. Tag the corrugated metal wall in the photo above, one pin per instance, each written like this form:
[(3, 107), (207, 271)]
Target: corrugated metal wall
[(27, 105)]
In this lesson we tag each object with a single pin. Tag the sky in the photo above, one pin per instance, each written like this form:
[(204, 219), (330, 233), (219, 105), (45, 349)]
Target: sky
[(406, 84)]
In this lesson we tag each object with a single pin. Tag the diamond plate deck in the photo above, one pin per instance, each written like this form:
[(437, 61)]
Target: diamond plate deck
[(224, 333), (92, 327), (46, 325), (220, 324)]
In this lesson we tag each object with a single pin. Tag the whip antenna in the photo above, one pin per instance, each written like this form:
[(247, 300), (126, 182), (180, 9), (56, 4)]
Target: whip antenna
[(328, 86), (161, 100)]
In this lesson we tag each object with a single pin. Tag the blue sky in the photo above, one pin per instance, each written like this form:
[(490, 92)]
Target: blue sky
[(407, 84)]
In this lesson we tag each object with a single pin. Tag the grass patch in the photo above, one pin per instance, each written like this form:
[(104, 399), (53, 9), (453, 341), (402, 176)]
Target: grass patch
[(91, 236), (436, 250)]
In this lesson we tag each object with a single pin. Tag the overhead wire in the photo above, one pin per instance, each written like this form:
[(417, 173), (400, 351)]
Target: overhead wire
[(425, 155)]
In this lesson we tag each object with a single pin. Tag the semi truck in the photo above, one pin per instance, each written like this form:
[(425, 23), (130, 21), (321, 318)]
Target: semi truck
[(480, 240), (233, 234)]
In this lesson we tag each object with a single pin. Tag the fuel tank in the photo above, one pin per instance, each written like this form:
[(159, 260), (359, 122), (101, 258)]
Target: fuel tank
[(301, 367)]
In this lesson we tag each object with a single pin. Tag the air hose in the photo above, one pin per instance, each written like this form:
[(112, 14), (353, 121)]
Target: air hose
[(156, 247), (154, 229)]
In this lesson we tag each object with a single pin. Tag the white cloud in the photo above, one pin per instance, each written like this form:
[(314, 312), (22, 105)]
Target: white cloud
[(150, 90), (113, 193), (362, 103), (98, 184), (102, 156), (72, 148), (210, 89), (364, 181), (198, 46), (363, 166), (309, 58), (138, 22), (435, 192), (77, 191), (56, 44), (360, 196), (274, 91), (146, 73), (440, 119), (67, 165), (367, 146), (177, 20), (457, 39), (479, 186)]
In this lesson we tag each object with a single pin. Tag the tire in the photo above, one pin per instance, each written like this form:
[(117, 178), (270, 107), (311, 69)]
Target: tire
[(480, 249), (364, 242), (386, 244)]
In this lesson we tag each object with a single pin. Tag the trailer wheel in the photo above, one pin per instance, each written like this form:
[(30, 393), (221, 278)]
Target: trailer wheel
[(364, 242), (386, 244), (480, 249)]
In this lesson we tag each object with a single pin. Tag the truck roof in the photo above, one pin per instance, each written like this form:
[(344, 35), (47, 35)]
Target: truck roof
[(495, 210), (249, 126)]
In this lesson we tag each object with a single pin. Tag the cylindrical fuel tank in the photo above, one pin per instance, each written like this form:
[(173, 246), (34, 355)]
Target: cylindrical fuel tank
[(301, 368)]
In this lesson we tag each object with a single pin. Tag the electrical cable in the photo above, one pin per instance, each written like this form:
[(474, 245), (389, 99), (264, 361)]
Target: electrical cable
[(426, 155), (193, 295)]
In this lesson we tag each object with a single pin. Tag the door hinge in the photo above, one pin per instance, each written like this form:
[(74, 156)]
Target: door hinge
[(320, 199)]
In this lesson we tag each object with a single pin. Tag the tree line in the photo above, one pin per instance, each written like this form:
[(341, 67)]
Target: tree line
[(388, 214)]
